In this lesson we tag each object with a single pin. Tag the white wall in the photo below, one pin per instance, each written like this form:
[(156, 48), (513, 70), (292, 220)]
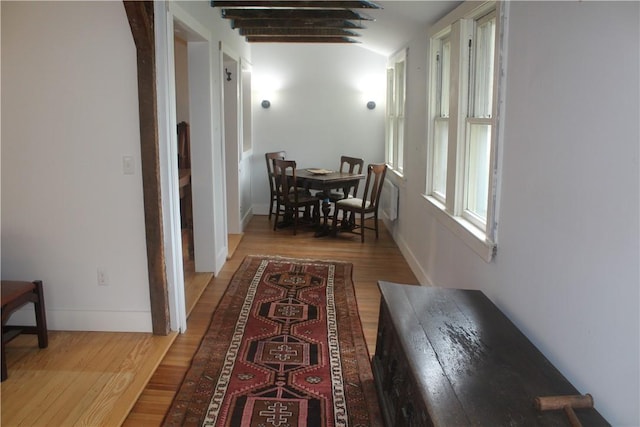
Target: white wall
[(69, 115), (318, 108), (567, 269)]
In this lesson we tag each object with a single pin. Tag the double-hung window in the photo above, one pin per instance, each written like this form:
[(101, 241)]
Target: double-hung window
[(462, 136), (441, 119), (395, 114)]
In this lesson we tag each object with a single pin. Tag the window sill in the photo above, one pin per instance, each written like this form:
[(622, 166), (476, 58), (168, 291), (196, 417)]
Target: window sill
[(395, 172), (467, 232)]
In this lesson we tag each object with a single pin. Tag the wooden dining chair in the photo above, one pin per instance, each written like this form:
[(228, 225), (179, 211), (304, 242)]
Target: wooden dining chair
[(273, 198), (352, 207), (351, 165), (289, 200)]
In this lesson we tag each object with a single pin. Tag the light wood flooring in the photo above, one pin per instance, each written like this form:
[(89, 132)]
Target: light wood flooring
[(96, 379)]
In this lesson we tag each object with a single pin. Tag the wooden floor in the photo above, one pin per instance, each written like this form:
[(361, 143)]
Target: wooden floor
[(96, 379)]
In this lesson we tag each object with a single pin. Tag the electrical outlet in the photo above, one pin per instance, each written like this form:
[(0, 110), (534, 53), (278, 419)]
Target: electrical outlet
[(102, 278)]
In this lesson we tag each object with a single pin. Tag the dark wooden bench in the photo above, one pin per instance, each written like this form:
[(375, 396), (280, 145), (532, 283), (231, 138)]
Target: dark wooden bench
[(450, 357), (16, 294)]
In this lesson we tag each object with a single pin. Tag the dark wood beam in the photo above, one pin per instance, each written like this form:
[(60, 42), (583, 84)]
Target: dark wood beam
[(326, 21), (289, 39), (260, 23), (140, 16), (322, 4), (297, 32), (294, 14)]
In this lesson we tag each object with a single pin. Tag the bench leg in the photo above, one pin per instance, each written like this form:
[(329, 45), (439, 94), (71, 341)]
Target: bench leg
[(4, 364), (37, 297)]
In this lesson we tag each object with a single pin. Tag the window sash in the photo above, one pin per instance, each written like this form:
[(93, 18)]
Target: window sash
[(399, 165), (477, 171), (400, 107), (481, 104), (444, 77), (439, 163), (440, 84), (395, 126), (390, 125)]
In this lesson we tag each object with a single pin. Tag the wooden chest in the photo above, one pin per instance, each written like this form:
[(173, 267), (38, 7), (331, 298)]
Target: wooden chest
[(450, 357)]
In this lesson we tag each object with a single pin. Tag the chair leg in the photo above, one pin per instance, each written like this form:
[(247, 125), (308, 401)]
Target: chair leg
[(375, 218), (270, 208), (295, 220), (334, 222), (276, 213), (41, 318), (362, 227)]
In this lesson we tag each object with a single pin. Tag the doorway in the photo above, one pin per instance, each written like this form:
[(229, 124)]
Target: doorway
[(190, 50), (238, 143)]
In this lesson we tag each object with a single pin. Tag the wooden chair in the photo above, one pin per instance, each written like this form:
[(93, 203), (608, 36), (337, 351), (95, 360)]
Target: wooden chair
[(270, 157), (184, 183), (289, 200), (184, 146), (15, 295), (369, 203), (351, 165)]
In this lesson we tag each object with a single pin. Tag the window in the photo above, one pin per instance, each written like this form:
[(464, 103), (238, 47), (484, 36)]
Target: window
[(479, 122), (462, 171), (395, 115), (441, 119)]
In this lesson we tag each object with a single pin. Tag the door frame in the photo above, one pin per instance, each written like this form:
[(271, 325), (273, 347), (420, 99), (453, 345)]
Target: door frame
[(152, 27)]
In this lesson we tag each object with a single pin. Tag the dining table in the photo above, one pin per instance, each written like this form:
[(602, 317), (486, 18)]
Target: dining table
[(325, 180)]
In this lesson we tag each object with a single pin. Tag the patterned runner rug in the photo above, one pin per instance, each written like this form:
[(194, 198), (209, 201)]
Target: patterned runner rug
[(285, 348)]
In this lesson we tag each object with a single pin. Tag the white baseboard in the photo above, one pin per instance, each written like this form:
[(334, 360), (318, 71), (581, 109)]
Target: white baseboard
[(414, 264), (260, 209), (247, 217)]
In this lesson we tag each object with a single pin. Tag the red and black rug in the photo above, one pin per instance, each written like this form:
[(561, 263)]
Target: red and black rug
[(285, 348)]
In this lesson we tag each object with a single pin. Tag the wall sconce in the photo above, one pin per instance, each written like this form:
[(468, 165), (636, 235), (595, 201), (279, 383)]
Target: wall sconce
[(266, 104), (371, 105)]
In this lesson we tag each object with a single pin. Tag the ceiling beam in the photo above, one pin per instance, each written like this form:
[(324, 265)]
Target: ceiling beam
[(312, 32), (322, 4), (314, 21), (260, 23), (298, 14), (285, 39)]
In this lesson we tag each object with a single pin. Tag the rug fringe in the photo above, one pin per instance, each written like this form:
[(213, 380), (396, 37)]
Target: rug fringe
[(307, 260)]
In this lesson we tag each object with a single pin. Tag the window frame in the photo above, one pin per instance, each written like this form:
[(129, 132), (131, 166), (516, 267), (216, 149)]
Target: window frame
[(459, 27), (395, 120), (438, 188)]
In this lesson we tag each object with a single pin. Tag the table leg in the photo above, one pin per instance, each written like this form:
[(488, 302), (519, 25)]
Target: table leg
[(324, 228)]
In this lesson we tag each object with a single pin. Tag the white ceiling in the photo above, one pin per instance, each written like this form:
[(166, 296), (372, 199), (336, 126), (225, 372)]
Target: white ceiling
[(399, 21)]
